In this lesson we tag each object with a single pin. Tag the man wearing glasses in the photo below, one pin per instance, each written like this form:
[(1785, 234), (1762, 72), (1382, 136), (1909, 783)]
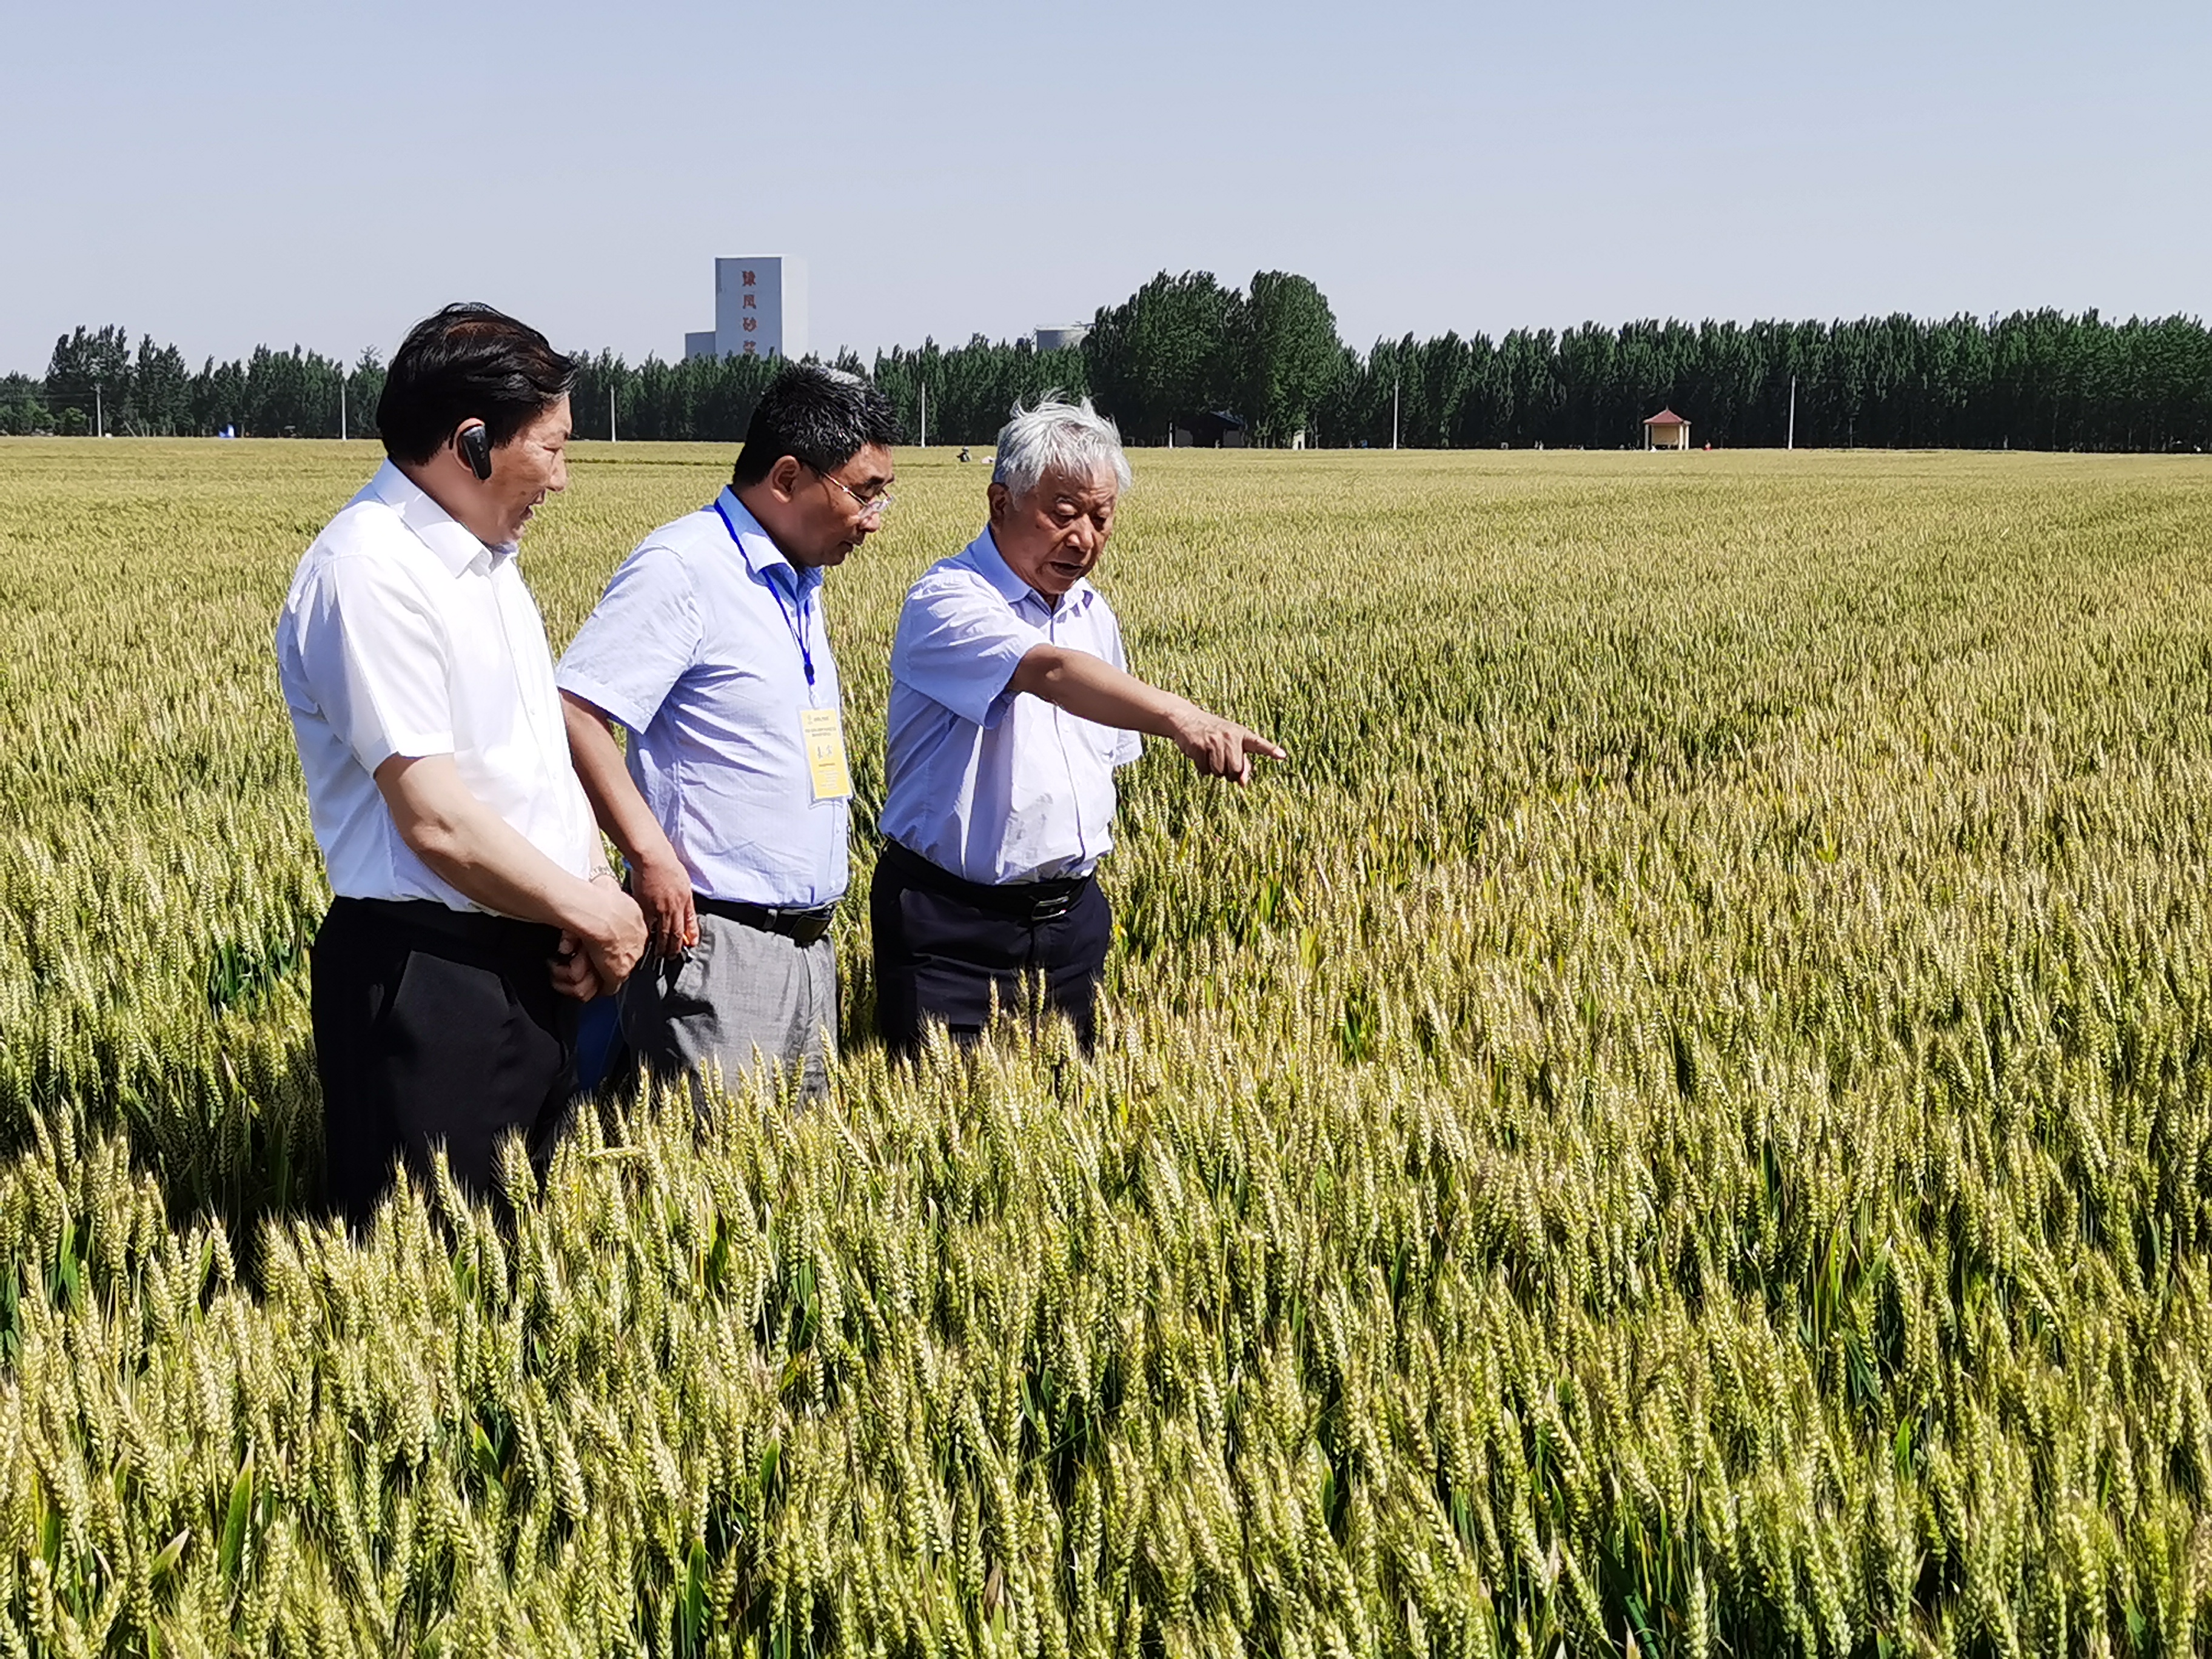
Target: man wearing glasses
[(708, 647)]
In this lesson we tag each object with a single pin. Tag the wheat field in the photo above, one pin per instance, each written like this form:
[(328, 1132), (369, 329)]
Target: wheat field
[(1679, 1122)]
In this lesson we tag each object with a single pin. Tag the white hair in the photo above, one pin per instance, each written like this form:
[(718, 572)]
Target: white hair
[(1056, 436)]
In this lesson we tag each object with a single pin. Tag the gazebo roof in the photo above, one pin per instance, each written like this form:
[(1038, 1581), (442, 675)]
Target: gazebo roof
[(1666, 417)]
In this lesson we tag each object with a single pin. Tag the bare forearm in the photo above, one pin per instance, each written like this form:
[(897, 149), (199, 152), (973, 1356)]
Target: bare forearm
[(1092, 689), (491, 863), (621, 810), (474, 850)]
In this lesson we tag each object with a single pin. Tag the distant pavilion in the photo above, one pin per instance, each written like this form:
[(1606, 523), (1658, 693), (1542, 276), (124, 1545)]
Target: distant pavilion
[(1666, 430)]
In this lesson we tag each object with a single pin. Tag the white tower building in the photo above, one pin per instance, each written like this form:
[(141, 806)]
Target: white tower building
[(760, 310)]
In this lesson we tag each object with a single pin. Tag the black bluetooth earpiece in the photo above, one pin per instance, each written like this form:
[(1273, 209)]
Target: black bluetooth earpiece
[(476, 448)]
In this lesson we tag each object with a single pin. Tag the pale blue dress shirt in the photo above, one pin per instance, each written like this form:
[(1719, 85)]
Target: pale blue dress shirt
[(995, 787), (697, 649)]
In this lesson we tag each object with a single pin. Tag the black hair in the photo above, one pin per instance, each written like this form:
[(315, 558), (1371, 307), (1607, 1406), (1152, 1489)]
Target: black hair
[(820, 417), (468, 362)]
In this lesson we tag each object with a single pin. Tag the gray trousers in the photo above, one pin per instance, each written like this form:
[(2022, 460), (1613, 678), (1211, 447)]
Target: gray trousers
[(739, 996)]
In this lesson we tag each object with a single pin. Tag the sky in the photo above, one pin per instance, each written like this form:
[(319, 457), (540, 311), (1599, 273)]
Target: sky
[(305, 173)]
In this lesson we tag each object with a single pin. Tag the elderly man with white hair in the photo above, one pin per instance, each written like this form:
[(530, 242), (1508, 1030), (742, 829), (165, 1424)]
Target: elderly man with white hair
[(1010, 706)]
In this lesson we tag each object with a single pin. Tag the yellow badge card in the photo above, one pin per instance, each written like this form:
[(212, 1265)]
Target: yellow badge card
[(824, 734)]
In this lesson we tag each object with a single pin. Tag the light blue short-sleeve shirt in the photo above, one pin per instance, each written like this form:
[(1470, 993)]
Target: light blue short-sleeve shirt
[(700, 648), (995, 786)]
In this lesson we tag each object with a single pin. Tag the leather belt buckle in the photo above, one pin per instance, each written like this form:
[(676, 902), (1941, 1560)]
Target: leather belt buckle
[(1052, 907), (801, 926)]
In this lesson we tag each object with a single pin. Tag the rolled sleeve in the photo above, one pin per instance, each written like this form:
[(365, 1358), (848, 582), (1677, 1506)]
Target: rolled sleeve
[(959, 644), (373, 654), (638, 641)]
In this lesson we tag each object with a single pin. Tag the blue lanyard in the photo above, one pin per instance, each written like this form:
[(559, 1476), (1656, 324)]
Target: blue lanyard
[(797, 626)]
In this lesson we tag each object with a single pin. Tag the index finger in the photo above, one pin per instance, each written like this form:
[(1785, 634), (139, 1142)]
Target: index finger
[(1256, 745)]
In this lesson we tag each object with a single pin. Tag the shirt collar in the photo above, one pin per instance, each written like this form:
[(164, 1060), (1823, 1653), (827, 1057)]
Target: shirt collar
[(991, 564), (761, 553), (456, 548)]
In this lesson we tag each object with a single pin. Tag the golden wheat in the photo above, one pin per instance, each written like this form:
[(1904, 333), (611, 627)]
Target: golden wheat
[(1681, 1119)]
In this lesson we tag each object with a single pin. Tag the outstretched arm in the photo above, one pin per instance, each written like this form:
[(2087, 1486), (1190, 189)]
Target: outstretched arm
[(1092, 689)]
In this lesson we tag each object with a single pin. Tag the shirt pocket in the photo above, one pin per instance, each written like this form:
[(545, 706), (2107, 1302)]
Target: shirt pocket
[(1103, 743)]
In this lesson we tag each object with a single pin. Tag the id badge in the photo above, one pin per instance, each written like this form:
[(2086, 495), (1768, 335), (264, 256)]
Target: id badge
[(824, 734)]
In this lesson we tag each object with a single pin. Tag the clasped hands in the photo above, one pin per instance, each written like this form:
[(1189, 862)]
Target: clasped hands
[(594, 958)]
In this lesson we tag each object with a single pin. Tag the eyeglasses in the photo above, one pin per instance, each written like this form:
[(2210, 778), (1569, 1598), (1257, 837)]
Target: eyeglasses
[(871, 506)]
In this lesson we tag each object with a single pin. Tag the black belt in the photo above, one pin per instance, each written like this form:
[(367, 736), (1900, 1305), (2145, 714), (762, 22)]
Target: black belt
[(1031, 902), (476, 930), (799, 927)]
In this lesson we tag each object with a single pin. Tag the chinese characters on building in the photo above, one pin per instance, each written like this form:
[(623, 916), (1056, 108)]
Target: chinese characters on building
[(760, 310)]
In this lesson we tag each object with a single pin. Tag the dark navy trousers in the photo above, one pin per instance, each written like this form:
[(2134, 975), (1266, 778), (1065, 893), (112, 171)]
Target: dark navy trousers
[(946, 948)]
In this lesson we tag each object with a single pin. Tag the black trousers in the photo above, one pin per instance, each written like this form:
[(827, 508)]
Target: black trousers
[(946, 947), (433, 1028)]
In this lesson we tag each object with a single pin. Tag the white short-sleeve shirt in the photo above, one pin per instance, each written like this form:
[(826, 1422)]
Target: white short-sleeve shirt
[(404, 635), (993, 786)]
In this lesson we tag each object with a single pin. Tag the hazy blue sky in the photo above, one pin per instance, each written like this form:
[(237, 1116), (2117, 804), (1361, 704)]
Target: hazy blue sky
[(228, 174)]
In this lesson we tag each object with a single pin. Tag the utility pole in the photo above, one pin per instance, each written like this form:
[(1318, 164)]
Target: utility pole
[(610, 411), (924, 385), (1790, 442), (99, 413), (1393, 411), (342, 381)]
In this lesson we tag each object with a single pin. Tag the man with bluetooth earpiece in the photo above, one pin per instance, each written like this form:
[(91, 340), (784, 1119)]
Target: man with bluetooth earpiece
[(472, 906)]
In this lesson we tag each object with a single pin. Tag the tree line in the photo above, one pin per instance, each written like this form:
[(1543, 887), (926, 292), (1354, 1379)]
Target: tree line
[(1186, 348), (95, 382)]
